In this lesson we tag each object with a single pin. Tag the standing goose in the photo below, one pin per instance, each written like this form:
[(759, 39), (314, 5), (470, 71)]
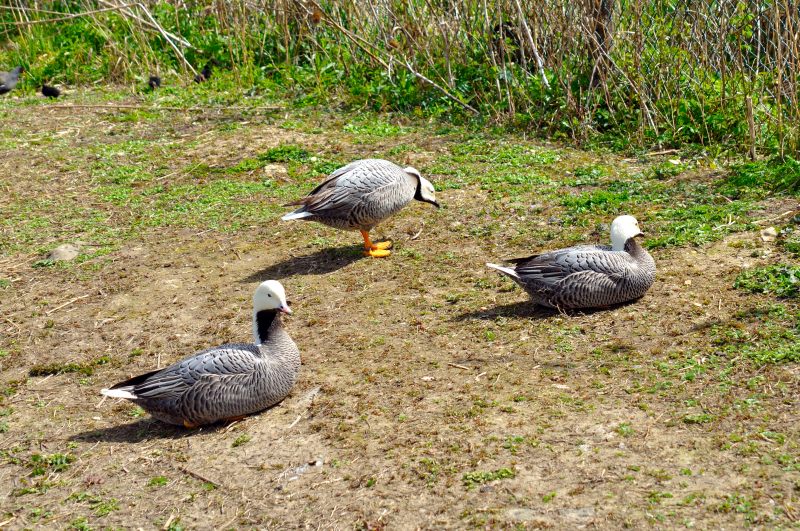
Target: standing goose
[(9, 80), (361, 195), (226, 382), (588, 276)]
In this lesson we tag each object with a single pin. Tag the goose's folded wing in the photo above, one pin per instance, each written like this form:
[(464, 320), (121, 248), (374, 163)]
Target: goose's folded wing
[(328, 183), (224, 361), (347, 187), (552, 268)]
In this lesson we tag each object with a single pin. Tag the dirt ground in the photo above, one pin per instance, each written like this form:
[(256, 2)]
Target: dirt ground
[(432, 395)]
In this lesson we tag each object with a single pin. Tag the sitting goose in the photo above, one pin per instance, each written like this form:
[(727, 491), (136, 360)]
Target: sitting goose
[(361, 195), (588, 276), (226, 382)]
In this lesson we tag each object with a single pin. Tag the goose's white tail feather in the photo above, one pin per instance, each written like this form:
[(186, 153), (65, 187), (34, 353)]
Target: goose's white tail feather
[(296, 215), (507, 270), (118, 393)]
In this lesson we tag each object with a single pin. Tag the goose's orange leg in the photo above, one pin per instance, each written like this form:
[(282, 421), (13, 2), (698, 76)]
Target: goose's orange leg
[(188, 425), (376, 250)]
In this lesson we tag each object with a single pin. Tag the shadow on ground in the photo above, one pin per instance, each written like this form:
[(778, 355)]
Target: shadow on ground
[(135, 432), (318, 263), (516, 309), (532, 311)]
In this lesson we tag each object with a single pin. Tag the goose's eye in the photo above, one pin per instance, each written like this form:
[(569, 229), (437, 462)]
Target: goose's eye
[(269, 295)]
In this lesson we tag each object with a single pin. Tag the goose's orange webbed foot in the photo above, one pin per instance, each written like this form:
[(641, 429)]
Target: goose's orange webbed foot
[(375, 250)]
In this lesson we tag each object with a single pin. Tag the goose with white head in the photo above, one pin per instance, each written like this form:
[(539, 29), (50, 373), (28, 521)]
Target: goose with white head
[(361, 195), (588, 276), (227, 382)]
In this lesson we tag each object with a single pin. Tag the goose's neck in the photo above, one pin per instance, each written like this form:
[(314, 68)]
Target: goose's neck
[(633, 248), (265, 324)]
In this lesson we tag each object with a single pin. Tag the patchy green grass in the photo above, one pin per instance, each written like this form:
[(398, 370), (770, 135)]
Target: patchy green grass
[(761, 178), (769, 334), (241, 440), (473, 479), (86, 369), (781, 280), (98, 505), (158, 481), (370, 128)]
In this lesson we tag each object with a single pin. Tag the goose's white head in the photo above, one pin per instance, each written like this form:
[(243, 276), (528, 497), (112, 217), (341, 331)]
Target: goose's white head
[(425, 191), (270, 295), (623, 228)]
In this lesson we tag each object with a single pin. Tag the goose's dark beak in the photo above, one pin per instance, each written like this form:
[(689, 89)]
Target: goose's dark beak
[(434, 203)]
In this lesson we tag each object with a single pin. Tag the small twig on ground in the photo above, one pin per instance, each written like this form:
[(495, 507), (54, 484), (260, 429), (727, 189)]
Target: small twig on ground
[(414, 237), (43, 380), (102, 401), (76, 299), (457, 366), (229, 523), (326, 482), (779, 216), (309, 399), (728, 224), (230, 426), (662, 152), (292, 425), (198, 476)]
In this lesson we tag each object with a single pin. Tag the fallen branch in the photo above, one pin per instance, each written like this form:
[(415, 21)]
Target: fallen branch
[(457, 366)]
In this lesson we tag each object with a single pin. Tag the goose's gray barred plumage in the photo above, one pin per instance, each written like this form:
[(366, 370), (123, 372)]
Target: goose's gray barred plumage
[(9, 80), (225, 382), (361, 195), (588, 276)]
